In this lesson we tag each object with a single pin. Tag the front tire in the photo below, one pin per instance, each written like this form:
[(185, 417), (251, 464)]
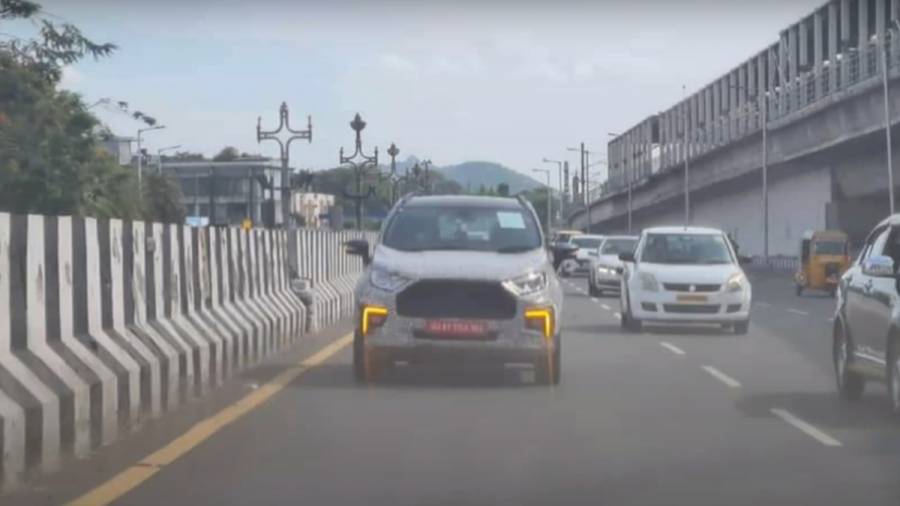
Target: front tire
[(850, 384), (799, 290), (893, 375), (742, 327), (365, 365), (548, 369), (592, 290)]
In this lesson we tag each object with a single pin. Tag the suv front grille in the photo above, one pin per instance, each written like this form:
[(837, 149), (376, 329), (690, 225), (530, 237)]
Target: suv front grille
[(456, 299), (686, 287)]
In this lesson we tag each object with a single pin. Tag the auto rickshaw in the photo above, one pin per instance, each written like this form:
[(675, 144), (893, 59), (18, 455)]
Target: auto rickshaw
[(824, 256)]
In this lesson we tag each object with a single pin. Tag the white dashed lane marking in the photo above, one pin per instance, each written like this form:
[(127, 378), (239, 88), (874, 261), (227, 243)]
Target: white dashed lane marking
[(806, 427), (671, 347), (797, 311), (595, 299), (721, 376), (617, 315), (606, 307)]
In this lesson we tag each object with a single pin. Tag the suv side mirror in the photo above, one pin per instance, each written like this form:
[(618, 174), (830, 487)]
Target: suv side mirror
[(360, 248), (626, 257), (878, 266)]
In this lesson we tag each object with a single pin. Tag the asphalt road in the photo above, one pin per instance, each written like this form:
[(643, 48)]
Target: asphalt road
[(688, 416)]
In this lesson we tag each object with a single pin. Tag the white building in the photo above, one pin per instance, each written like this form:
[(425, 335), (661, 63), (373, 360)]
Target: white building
[(312, 208)]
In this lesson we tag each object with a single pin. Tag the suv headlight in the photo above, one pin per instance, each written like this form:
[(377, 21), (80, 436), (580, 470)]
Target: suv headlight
[(388, 281), (648, 282), (735, 282), (527, 284)]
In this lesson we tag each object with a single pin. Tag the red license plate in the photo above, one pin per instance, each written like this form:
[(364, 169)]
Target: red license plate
[(456, 329)]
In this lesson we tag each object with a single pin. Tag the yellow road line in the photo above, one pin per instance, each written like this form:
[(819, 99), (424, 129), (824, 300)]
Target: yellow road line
[(127, 480)]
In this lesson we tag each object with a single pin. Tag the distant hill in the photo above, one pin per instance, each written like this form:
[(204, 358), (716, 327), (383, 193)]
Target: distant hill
[(473, 175)]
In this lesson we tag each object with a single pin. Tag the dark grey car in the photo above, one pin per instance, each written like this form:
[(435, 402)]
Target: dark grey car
[(866, 342), (458, 278)]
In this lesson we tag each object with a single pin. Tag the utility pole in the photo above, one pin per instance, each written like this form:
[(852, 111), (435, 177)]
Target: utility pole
[(549, 200), (765, 175), (427, 165), (359, 162), (285, 124), (687, 157), (587, 186), (887, 117)]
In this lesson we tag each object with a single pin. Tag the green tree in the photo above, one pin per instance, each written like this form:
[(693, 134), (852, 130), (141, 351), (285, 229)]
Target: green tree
[(163, 199), (227, 154), (503, 190), (50, 160), (56, 45)]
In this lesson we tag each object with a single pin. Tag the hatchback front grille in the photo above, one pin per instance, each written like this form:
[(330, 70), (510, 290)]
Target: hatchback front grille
[(691, 308), (686, 287), (456, 299)]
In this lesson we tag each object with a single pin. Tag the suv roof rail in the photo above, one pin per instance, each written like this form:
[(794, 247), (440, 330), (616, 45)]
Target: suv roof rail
[(404, 199)]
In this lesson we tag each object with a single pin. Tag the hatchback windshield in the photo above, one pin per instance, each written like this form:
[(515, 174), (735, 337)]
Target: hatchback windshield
[(617, 246), (587, 242), (498, 229), (686, 249)]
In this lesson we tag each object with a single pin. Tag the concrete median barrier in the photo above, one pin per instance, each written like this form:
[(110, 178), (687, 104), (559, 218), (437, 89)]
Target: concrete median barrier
[(104, 323)]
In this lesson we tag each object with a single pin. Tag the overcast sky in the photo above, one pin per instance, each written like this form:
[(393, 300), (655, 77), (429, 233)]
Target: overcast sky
[(510, 82)]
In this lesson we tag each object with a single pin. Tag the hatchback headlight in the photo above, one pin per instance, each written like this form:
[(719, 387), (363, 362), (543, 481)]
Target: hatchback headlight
[(648, 282), (605, 269), (735, 282), (388, 281), (527, 285)]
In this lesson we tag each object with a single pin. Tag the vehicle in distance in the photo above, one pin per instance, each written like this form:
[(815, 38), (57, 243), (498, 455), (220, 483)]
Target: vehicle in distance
[(606, 269), (824, 257), (684, 275), (584, 255), (561, 246), (458, 278), (866, 330)]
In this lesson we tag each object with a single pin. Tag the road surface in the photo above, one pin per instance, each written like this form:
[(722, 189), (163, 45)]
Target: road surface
[(670, 416)]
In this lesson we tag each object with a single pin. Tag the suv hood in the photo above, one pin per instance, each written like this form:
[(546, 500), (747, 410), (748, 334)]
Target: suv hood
[(679, 273), (480, 265)]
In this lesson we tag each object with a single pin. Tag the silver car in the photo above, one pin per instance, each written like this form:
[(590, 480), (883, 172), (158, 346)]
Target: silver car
[(458, 278)]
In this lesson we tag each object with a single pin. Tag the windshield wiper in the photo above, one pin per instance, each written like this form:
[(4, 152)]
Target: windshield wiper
[(515, 249)]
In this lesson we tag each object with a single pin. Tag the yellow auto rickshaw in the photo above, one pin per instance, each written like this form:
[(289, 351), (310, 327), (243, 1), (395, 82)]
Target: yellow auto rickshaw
[(824, 256)]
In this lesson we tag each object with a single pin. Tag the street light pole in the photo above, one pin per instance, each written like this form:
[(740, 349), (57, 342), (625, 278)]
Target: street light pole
[(359, 168), (549, 199), (559, 164), (284, 124), (140, 160), (393, 151), (159, 153)]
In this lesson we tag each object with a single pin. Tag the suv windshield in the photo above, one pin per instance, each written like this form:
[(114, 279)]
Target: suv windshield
[(685, 249), (430, 228), (616, 246), (587, 242)]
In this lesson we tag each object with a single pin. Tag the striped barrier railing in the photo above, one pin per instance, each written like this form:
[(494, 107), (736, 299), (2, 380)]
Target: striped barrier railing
[(106, 322), (332, 274)]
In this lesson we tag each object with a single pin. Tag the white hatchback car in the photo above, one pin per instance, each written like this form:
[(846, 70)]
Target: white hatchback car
[(684, 275), (606, 269)]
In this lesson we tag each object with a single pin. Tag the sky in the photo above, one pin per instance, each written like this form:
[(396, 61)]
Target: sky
[(453, 81)]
